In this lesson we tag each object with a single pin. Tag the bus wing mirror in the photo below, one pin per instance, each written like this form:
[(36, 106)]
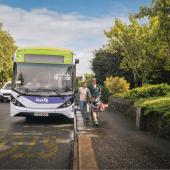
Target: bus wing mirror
[(76, 61)]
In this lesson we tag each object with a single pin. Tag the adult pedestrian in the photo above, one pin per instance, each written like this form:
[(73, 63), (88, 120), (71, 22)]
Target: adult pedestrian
[(95, 89), (84, 97)]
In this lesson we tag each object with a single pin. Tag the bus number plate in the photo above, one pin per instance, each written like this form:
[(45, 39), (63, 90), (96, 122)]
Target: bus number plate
[(41, 114)]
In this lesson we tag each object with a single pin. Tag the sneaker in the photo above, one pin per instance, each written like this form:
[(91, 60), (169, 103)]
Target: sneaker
[(96, 123)]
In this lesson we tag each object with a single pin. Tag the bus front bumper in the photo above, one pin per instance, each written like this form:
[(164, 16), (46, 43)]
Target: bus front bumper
[(23, 111)]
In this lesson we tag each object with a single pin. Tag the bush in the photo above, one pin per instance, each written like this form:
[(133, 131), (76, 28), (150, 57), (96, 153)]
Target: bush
[(105, 94), (116, 85), (157, 106), (149, 91), (79, 80), (154, 98)]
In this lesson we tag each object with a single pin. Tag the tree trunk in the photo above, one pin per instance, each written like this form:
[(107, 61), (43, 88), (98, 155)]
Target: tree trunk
[(134, 78), (168, 42)]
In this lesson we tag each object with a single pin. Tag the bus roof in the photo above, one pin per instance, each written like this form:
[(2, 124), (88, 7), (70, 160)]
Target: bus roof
[(21, 53), (44, 49)]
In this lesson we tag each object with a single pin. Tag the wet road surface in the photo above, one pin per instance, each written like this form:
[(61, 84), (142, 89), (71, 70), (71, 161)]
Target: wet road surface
[(34, 144), (118, 144)]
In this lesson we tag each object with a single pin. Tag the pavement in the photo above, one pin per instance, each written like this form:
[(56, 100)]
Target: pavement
[(41, 143), (117, 144), (47, 144)]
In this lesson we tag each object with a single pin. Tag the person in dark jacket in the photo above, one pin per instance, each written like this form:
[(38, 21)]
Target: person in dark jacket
[(94, 88)]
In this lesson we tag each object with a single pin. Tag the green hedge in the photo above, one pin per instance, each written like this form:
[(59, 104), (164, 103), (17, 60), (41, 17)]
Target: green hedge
[(154, 98), (159, 105), (149, 91), (105, 94)]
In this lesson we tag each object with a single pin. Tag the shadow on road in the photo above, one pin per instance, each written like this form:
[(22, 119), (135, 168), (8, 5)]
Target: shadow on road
[(48, 120), (18, 123)]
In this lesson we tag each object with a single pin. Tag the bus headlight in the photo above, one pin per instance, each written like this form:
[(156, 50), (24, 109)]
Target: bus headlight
[(16, 102), (67, 103)]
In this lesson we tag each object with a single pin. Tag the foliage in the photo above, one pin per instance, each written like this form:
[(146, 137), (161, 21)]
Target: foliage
[(116, 85), (160, 74), (160, 9), (7, 49), (154, 98), (88, 78), (142, 50), (157, 106), (149, 91), (105, 94), (136, 44), (106, 64), (78, 82)]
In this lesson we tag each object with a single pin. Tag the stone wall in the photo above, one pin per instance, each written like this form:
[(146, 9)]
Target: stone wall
[(156, 124), (124, 106), (153, 122)]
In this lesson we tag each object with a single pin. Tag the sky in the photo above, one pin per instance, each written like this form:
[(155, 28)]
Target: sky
[(77, 25)]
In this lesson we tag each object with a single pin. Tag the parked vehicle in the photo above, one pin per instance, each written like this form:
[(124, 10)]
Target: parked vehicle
[(47, 77), (5, 91)]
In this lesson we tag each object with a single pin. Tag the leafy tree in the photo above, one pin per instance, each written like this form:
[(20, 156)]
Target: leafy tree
[(105, 94), (88, 77), (160, 9), (159, 74), (138, 52), (116, 85), (79, 80), (7, 49), (106, 64), (135, 42)]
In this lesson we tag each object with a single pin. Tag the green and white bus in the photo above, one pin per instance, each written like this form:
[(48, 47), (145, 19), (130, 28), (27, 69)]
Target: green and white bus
[(47, 82)]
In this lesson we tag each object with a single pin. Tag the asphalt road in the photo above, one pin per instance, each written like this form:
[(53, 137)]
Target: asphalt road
[(118, 144), (34, 144)]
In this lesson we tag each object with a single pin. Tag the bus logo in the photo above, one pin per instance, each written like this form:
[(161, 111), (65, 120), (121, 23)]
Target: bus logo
[(41, 100)]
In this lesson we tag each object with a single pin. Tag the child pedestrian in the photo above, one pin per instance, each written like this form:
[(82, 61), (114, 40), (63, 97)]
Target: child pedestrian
[(96, 106)]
